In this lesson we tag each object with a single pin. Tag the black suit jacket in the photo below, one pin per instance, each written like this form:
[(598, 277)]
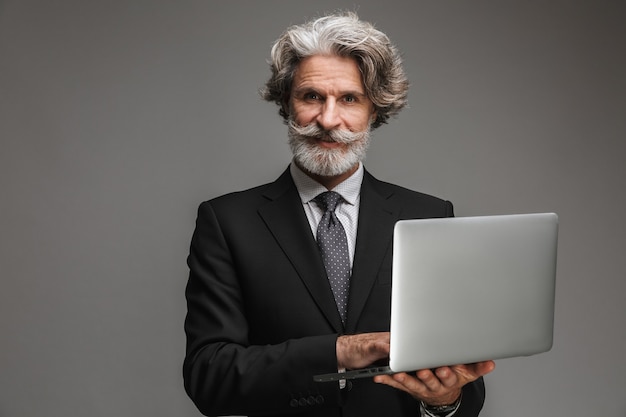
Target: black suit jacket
[(261, 316)]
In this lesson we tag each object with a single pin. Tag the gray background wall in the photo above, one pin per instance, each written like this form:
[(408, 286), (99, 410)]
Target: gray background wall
[(118, 117)]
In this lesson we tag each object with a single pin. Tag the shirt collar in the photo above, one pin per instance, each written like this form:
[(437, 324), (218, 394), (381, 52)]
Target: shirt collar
[(308, 188)]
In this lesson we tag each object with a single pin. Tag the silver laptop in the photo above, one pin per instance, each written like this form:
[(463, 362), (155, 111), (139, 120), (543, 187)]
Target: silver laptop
[(469, 289)]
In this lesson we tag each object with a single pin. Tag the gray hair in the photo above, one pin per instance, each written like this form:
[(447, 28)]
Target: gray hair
[(343, 35)]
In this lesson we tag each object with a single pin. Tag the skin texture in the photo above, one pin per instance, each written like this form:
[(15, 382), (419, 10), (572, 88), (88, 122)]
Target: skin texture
[(329, 91)]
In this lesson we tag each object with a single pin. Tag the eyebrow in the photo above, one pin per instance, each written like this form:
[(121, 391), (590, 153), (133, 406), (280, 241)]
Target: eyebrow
[(307, 89)]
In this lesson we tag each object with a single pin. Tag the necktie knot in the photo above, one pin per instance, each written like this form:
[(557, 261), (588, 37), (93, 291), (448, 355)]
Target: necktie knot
[(328, 200)]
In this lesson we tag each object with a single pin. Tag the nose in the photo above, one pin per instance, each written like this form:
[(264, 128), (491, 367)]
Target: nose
[(328, 118)]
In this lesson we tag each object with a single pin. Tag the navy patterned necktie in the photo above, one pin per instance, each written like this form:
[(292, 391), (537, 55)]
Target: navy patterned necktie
[(333, 244)]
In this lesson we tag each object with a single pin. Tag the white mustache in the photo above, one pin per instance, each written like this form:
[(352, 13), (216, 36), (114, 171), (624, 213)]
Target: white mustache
[(313, 131)]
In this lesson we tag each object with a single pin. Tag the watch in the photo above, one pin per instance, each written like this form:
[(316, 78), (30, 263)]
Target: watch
[(441, 410)]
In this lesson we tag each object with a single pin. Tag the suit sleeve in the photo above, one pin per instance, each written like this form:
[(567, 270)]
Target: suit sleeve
[(223, 372)]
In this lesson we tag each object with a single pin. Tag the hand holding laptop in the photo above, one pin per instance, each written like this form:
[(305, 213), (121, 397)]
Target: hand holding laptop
[(437, 387)]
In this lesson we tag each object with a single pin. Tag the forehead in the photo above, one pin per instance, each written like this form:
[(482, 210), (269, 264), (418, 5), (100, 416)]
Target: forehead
[(329, 72)]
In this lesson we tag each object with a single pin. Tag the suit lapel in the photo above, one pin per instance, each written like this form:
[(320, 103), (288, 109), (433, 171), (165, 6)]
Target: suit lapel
[(377, 217), (286, 220)]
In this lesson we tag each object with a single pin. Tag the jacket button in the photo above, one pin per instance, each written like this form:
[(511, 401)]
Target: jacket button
[(349, 385), (319, 399), (293, 403), (302, 402)]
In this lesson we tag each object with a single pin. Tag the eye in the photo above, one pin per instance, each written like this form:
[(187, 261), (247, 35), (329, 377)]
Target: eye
[(313, 96), (350, 99)]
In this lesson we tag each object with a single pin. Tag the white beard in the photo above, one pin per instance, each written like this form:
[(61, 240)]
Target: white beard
[(324, 161)]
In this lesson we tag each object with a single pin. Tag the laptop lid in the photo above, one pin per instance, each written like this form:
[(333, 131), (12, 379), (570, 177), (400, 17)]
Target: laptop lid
[(469, 289)]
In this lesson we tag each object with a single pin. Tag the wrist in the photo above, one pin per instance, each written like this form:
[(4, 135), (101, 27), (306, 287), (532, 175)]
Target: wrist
[(443, 408), (340, 352), (449, 400)]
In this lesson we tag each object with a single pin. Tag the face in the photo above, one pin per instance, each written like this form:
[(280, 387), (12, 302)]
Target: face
[(330, 115)]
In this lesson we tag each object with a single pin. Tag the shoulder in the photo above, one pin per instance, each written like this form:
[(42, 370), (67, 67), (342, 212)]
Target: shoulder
[(235, 203), (412, 204), (252, 198)]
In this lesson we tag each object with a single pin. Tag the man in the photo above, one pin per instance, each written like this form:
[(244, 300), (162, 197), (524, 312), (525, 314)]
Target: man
[(267, 309)]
